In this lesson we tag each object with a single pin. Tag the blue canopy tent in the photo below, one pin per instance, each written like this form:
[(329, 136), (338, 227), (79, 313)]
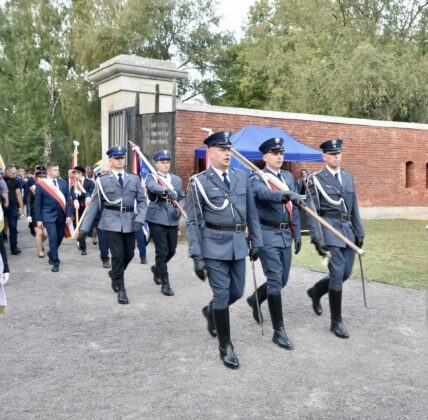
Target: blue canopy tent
[(248, 139)]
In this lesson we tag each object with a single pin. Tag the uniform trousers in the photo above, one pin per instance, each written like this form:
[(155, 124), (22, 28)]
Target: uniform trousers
[(165, 240), (12, 216), (55, 232), (340, 266), (122, 247), (227, 281), (276, 263)]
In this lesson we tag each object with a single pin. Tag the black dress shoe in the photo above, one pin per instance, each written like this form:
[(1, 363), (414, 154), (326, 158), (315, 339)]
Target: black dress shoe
[(50, 258), (316, 302), (339, 329), (55, 269), (280, 338), (210, 321), (114, 286), (15, 251), (143, 261), (83, 252), (156, 276), (251, 300), (122, 298), (229, 357)]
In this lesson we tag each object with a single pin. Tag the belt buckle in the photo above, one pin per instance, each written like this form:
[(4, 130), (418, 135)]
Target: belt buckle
[(168, 201), (344, 217), (122, 209), (282, 226), (239, 228)]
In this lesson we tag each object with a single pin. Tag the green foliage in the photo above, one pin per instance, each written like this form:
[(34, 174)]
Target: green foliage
[(47, 48), (352, 58)]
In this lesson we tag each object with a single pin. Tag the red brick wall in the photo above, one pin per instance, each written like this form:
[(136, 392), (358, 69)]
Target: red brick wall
[(376, 156)]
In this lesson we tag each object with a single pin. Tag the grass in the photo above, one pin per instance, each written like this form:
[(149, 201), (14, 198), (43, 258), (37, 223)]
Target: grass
[(396, 252)]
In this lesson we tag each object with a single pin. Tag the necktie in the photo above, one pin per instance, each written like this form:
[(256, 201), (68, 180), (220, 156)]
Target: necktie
[(336, 175), (279, 176), (225, 180), (120, 179), (54, 181)]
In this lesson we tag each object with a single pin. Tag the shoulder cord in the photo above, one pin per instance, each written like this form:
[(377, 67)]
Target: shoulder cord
[(318, 187), (206, 199), (100, 187)]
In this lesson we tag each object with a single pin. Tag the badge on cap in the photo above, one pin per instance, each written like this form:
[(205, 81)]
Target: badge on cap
[(277, 140)]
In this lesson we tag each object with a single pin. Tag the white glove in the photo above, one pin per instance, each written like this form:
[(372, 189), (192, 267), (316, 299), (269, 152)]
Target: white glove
[(5, 278), (76, 204), (29, 219), (87, 201)]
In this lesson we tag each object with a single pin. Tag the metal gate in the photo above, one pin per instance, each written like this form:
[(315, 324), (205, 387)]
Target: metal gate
[(152, 132)]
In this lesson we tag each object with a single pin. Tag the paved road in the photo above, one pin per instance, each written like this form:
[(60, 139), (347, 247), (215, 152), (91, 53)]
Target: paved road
[(68, 350)]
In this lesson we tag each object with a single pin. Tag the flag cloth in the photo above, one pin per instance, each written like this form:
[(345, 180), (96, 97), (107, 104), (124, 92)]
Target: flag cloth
[(140, 168)]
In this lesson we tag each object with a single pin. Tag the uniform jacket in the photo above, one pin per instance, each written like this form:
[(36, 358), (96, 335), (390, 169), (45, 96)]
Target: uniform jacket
[(334, 190), (47, 208), (271, 207), (159, 210), (216, 244), (113, 220), (89, 187)]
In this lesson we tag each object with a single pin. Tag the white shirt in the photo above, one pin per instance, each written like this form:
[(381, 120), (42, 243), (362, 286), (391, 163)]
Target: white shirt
[(116, 173), (333, 172), (220, 173), (168, 177), (50, 182)]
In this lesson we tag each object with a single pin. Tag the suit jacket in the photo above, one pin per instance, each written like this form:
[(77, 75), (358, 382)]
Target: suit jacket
[(271, 207), (112, 220), (89, 187), (159, 210), (216, 244), (334, 190), (47, 208)]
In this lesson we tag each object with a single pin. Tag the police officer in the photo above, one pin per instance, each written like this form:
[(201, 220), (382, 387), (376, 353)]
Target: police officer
[(81, 193), (220, 206), (163, 216), (116, 194), (280, 223), (331, 192)]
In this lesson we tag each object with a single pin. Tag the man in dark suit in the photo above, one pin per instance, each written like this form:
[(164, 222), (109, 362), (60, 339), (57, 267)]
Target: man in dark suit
[(81, 193), (163, 217), (53, 210), (331, 192)]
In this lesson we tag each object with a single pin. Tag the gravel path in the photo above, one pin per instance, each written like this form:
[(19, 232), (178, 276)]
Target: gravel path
[(68, 350)]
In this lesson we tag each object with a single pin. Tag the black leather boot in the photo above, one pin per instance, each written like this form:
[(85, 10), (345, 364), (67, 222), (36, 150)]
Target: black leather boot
[(122, 297), (114, 284), (337, 327), (251, 300), (156, 276), (227, 353), (207, 311), (317, 292), (166, 288), (279, 335)]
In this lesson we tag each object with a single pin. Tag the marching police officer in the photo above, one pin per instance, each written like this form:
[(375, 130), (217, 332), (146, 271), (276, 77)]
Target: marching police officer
[(163, 216), (116, 194), (280, 224), (81, 193), (220, 206), (332, 193)]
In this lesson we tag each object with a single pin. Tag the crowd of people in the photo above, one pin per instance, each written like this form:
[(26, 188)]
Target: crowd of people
[(230, 216)]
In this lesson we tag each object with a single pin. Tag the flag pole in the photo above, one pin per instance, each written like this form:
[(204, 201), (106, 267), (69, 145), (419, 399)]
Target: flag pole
[(153, 171)]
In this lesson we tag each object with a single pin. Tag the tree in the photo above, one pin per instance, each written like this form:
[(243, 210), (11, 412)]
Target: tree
[(350, 58)]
